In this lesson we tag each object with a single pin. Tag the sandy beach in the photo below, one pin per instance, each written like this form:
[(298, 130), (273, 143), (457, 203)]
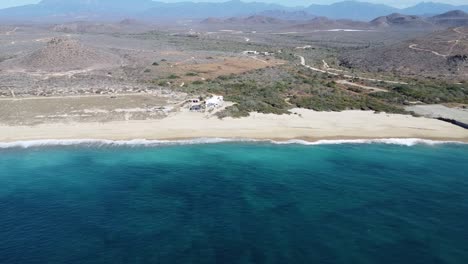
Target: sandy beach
[(301, 124)]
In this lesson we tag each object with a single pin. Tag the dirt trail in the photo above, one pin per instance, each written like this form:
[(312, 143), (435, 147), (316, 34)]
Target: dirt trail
[(455, 43), (303, 63), (11, 32), (327, 67), (414, 47), (255, 58), (371, 89)]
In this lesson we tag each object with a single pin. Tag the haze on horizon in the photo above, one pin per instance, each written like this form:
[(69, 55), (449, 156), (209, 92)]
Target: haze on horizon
[(395, 3)]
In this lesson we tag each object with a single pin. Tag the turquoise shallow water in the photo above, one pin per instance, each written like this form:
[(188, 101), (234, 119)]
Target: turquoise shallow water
[(235, 203)]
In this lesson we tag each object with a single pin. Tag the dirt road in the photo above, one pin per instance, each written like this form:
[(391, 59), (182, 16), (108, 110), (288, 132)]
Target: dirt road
[(303, 63), (455, 43)]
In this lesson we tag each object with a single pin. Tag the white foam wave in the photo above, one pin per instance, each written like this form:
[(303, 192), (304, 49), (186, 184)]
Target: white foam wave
[(199, 141), (103, 142), (389, 141)]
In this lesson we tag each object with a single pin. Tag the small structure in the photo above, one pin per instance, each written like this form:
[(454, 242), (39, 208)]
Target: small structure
[(194, 101), (215, 101), (250, 52), (196, 108)]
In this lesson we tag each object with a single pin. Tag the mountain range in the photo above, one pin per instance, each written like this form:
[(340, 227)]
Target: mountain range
[(67, 10), (456, 18)]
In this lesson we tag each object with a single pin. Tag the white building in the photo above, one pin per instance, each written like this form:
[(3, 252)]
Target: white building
[(215, 101)]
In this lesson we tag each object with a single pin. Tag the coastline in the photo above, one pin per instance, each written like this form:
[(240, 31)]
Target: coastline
[(305, 125), (409, 142)]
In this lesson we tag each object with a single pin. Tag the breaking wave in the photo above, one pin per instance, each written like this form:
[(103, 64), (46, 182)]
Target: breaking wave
[(389, 141), (199, 141)]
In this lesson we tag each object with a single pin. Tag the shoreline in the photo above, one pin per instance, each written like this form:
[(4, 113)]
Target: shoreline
[(305, 125), (202, 141)]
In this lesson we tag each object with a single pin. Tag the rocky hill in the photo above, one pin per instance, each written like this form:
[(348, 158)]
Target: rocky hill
[(61, 55), (454, 18), (440, 54), (395, 21), (322, 23), (400, 21)]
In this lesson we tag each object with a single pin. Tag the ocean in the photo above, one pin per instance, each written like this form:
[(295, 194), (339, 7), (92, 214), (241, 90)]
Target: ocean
[(233, 202)]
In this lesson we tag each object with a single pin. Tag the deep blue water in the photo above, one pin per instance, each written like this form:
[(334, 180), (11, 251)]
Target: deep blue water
[(235, 203)]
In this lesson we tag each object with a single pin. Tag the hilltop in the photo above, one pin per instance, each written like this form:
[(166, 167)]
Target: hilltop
[(455, 18), (400, 20), (61, 54)]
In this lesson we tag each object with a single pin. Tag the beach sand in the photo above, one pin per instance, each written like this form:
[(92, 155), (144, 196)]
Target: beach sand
[(303, 124)]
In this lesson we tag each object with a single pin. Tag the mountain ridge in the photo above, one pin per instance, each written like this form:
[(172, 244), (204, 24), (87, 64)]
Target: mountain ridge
[(50, 10)]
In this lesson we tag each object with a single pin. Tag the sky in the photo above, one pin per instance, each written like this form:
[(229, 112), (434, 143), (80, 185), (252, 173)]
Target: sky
[(396, 3)]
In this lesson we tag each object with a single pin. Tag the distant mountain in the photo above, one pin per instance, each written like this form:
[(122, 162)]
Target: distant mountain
[(431, 8), (351, 10), (399, 20), (287, 15), (201, 10), (323, 23), (143, 9), (76, 9), (456, 18), (71, 10), (367, 11)]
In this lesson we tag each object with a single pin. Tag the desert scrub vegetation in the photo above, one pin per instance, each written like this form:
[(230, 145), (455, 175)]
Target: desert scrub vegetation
[(250, 96), (339, 101), (173, 77), (426, 92), (276, 90), (197, 82)]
